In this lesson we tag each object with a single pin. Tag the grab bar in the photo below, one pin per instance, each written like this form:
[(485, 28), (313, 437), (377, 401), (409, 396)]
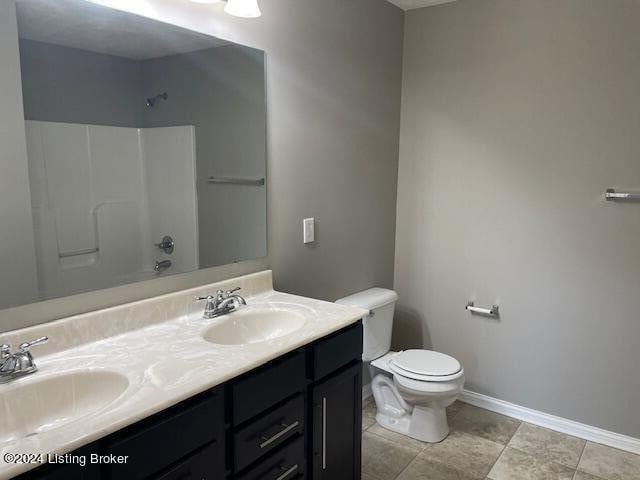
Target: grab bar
[(612, 195), (77, 253), (256, 182), (494, 311)]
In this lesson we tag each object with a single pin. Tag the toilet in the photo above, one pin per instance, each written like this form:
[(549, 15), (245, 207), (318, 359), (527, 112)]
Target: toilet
[(412, 388)]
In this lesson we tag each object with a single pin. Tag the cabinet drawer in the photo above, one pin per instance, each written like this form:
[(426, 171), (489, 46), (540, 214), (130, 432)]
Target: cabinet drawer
[(207, 464), (164, 439), (268, 432), (287, 463), (267, 386), (339, 349)]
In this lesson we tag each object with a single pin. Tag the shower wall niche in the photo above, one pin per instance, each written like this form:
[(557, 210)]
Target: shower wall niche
[(103, 196)]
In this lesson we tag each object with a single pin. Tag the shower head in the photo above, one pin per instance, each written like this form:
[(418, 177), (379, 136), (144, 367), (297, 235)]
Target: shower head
[(151, 101)]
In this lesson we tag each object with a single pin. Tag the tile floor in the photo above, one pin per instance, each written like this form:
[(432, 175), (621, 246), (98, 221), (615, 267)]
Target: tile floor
[(486, 445)]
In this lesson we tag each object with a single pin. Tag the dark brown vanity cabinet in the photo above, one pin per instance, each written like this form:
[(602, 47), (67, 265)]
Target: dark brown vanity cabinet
[(296, 417), (188, 441), (337, 426)]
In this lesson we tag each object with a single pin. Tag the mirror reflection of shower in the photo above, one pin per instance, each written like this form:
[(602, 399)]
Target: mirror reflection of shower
[(151, 101)]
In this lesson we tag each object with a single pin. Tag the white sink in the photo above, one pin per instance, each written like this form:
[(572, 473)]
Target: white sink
[(253, 326), (34, 405)]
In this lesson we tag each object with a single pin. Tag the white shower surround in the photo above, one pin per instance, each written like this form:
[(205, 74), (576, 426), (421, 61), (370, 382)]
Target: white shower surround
[(112, 192)]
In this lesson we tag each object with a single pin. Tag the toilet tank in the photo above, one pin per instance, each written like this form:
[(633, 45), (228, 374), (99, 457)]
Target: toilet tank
[(378, 325)]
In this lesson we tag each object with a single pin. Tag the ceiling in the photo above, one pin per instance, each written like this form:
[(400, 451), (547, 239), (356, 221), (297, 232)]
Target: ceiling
[(411, 4), (87, 26)]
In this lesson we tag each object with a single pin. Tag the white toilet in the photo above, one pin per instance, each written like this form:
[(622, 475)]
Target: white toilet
[(411, 388)]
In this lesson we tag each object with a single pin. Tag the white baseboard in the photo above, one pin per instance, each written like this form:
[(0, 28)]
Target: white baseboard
[(580, 430)]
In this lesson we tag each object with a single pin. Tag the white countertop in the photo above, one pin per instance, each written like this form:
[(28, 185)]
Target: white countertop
[(165, 362)]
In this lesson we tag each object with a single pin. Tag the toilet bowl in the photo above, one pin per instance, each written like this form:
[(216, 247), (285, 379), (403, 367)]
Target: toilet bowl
[(411, 388), (414, 403)]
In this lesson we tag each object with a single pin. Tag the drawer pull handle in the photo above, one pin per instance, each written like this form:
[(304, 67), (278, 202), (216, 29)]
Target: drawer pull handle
[(288, 471), (266, 441)]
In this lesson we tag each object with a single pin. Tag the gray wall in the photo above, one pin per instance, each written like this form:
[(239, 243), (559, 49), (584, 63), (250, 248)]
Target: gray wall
[(222, 92), (517, 115), (16, 232), (333, 80), (333, 110), (68, 85), (333, 114)]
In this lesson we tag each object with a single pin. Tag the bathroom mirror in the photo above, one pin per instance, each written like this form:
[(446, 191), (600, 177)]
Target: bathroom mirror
[(146, 150)]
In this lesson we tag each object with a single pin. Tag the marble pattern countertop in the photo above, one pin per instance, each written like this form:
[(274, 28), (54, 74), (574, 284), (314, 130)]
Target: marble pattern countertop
[(157, 345)]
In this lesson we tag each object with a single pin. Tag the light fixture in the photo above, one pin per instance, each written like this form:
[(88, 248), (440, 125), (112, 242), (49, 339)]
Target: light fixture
[(243, 8)]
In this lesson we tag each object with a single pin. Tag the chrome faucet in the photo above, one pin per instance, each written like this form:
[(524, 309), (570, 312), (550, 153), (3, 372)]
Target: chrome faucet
[(161, 266), (19, 364), (221, 303)]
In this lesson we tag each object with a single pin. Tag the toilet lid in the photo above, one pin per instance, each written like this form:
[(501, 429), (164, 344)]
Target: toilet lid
[(426, 363)]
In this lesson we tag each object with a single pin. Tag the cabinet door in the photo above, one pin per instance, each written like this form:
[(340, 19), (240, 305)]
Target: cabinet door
[(337, 426)]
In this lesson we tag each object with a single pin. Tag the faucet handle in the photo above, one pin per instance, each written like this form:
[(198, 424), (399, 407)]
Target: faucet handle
[(233, 290), (24, 347), (211, 302), (202, 299), (5, 351)]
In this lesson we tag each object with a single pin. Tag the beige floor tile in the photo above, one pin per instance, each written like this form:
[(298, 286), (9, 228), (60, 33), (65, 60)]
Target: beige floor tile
[(397, 438), (550, 445), (516, 465), (423, 468), (368, 413), (466, 453), (485, 424), (383, 459), (585, 476), (453, 409), (609, 463), (366, 477)]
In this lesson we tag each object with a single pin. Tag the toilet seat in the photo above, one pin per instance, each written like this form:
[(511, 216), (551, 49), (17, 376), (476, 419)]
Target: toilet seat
[(411, 387), (425, 366), (411, 403)]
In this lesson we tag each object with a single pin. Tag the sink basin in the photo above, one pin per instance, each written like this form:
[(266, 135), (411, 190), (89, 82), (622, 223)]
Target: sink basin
[(33, 405), (253, 326)]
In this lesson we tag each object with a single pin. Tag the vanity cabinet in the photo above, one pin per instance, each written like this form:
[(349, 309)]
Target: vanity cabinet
[(172, 437), (337, 425), (266, 386), (270, 431), (296, 417), (287, 463), (67, 472), (204, 464)]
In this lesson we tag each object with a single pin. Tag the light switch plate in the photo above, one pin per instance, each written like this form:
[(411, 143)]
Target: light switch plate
[(309, 230)]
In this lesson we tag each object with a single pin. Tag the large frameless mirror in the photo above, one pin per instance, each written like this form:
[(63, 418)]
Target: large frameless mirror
[(145, 149)]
